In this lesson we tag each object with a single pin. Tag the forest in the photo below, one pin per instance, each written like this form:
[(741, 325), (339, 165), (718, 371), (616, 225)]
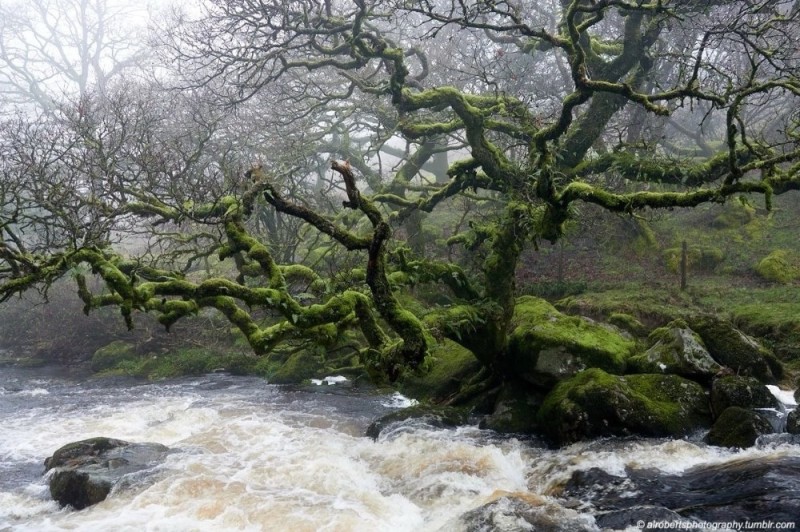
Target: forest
[(487, 204)]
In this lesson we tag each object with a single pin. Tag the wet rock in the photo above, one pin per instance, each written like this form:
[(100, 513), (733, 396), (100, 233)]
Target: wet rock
[(547, 346), (738, 427), (514, 410), (678, 350), (744, 392), (793, 422), (756, 489), (434, 416), (734, 349), (511, 512), (84, 472), (595, 404)]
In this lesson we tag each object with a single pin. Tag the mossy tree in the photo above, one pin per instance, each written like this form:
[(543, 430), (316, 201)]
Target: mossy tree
[(535, 155)]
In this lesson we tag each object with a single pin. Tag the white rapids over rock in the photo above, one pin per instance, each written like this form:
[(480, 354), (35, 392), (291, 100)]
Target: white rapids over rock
[(250, 456)]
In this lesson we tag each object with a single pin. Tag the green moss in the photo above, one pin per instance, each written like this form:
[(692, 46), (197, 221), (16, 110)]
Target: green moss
[(780, 266), (594, 403), (698, 258), (113, 354), (738, 427), (732, 348), (449, 366), (628, 323), (676, 349), (300, 366), (540, 330), (744, 392)]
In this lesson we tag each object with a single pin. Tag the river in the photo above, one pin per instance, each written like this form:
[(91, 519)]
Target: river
[(253, 456)]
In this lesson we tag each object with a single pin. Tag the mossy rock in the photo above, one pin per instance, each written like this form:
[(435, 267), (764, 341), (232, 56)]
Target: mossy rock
[(738, 427), (734, 214), (546, 346), (448, 367), (698, 258), (744, 392), (299, 367), (112, 355), (675, 349), (595, 404), (514, 410), (732, 348), (780, 266), (628, 323)]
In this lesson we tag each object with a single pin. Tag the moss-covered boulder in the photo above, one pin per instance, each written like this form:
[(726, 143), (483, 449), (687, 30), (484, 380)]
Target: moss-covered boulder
[(732, 348), (112, 355), (449, 366), (546, 346), (594, 403), (698, 258), (628, 323), (738, 427), (675, 349), (514, 410), (780, 266), (744, 392)]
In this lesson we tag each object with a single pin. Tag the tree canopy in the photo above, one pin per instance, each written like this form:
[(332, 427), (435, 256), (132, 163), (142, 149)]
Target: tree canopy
[(293, 162)]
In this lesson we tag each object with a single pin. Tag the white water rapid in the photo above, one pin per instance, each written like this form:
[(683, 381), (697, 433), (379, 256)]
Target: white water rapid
[(250, 456)]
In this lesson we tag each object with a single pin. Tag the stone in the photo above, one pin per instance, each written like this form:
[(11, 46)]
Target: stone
[(738, 427), (793, 422), (546, 346), (734, 349), (595, 404), (85, 472), (745, 392), (678, 350)]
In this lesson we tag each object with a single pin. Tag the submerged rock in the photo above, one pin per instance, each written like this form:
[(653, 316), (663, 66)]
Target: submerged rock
[(595, 404), (547, 346), (84, 472), (676, 349), (510, 512), (738, 427), (434, 416), (632, 517), (755, 489)]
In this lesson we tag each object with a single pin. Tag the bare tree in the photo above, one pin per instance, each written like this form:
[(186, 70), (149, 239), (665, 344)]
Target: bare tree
[(351, 78), (56, 49)]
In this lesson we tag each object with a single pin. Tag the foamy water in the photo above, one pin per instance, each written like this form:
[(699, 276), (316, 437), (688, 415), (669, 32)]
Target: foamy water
[(249, 456)]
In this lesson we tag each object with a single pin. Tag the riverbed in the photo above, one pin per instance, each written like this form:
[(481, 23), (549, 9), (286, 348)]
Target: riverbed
[(247, 455)]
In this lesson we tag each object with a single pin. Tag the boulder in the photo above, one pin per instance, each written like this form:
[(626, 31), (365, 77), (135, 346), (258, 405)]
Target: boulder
[(84, 472), (732, 348), (756, 488), (676, 349), (793, 422), (744, 392), (514, 410), (594, 404), (432, 416), (780, 266), (546, 346), (738, 427)]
